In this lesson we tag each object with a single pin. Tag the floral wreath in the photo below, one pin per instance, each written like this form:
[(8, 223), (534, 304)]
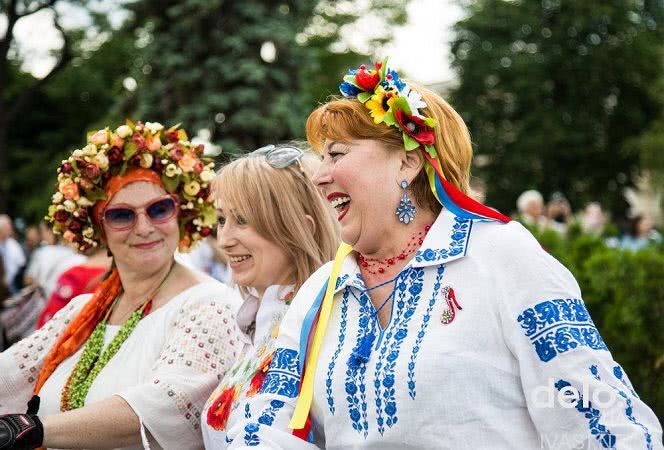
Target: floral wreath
[(392, 102), (184, 171)]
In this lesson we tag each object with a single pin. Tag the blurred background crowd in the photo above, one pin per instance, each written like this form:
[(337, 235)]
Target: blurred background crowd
[(564, 100)]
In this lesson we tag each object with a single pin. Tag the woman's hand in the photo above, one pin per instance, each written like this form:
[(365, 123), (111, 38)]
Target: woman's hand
[(20, 432)]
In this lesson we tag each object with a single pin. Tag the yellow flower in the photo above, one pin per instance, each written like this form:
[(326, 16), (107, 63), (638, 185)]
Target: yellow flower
[(192, 188), (171, 170), (379, 104)]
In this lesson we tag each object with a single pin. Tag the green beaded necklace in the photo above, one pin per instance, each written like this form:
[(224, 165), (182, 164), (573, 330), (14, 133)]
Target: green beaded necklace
[(93, 359)]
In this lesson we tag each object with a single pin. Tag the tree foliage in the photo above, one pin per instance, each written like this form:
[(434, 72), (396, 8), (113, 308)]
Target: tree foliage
[(250, 71), (553, 89), (195, 62)]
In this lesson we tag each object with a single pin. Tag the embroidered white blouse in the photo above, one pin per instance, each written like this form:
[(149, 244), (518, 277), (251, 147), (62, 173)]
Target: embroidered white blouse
[(259, 319), (511, 360), (165, 370)]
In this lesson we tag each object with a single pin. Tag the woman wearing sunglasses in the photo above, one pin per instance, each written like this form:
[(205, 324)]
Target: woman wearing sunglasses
[(131, 365), (275, 231), (440, 324)]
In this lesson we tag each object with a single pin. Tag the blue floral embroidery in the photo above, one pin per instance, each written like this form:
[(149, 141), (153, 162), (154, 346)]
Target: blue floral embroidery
[(620, 375), (384, 376), (600, 432), (247, 413), (423, 329), (355, 387), (629, 410), (342, 338), (283, 377), (559, 325), (460, 232), (267, 418)]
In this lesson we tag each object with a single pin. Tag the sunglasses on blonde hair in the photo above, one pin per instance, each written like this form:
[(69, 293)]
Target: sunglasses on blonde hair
[(121, 218), (280, 157)]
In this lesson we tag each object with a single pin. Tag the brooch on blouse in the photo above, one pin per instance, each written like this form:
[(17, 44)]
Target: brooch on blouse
[(449, 312)]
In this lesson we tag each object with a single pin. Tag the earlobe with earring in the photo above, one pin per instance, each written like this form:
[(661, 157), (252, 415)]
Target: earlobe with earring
[(406, 210)]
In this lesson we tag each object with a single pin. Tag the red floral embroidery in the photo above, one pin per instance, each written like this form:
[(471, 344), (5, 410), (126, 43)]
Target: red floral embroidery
[(217, 415), (257, 380)]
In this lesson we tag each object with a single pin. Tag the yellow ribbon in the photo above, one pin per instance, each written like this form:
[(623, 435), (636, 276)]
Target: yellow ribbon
[(303, 405)]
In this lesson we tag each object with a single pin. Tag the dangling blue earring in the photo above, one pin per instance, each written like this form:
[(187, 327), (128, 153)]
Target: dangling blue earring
[(405, 210)]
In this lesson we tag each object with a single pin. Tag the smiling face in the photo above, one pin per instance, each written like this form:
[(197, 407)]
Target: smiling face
[(146, 246), (361, 180), (254, 260)]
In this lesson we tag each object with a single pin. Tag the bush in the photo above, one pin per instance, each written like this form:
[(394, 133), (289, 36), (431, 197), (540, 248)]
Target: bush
[(624, 292)]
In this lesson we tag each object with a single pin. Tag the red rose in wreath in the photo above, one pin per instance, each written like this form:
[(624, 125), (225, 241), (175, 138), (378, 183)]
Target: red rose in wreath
[(415, 127), (218, 413), (257, 380)]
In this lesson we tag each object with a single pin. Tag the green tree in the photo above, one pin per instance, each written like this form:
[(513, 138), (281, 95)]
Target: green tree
[(16, 90), (75, 101), (250, 71), (553, 89)]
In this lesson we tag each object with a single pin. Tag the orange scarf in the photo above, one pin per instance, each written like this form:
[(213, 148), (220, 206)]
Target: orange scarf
[(81, 327)]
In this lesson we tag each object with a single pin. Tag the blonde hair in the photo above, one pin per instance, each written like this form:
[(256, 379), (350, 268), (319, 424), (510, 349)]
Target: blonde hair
[(343, 119), (275, 203)]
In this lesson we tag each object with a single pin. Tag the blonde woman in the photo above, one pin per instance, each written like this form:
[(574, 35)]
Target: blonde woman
[(275, 231)]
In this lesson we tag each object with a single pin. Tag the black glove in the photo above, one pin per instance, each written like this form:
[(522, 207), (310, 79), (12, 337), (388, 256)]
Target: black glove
[(20, 432)]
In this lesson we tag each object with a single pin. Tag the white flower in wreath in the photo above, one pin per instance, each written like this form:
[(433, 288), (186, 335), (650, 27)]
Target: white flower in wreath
[(88, 232), (69, 205), (154, 127), (207, 175), (123, 131), (171, 170), (58, 197), (89, 150), (414, 100), (83, 202)]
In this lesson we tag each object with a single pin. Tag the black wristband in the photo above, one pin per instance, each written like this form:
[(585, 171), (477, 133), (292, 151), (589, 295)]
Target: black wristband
[(20, 432)]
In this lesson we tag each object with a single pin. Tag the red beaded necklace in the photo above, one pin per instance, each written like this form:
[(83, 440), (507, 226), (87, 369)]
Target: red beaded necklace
[(378, 266)]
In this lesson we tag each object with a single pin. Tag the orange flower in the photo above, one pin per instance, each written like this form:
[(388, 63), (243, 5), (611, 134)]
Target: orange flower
[(116, 141), (217, 415), (187, 163), (257, 380), (154, 143), (69, 190)]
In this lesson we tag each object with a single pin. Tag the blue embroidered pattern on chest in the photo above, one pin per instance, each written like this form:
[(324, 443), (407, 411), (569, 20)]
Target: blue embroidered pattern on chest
[(354, 384), (459, 238), (423, 329), (267, 418), (557, 326), (340, 344), (283, 377), (600, 432), (408, 289), (629, 409)]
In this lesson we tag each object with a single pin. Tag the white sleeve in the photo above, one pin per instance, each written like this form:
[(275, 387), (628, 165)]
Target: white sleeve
[(21, 363), (577, 395), (271, 409), (202, 344)]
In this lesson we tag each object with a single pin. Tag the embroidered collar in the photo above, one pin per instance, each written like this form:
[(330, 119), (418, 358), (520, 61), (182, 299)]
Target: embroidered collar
[(254, 317), (446, 241)]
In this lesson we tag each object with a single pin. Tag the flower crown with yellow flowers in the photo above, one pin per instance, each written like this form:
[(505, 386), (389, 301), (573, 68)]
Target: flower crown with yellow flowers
[(392, 102), (185, 173)]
